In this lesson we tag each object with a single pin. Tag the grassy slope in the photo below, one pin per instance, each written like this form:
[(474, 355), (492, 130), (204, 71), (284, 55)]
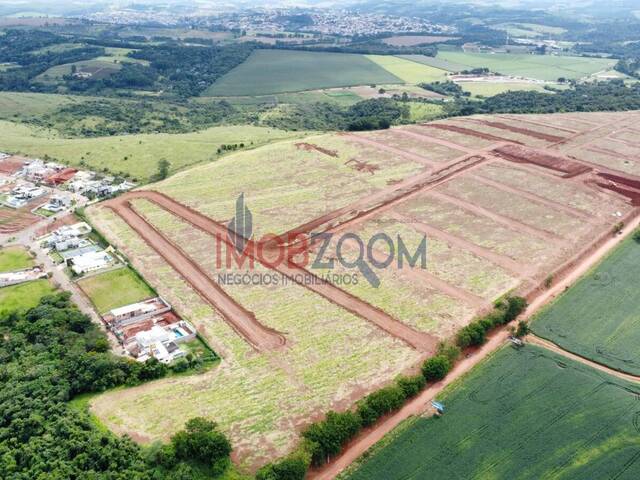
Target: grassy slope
[(542, 67), (410, 72), (115, 289), (584, 319), (24, 105), (488, 89), (142, 151), (524, 414), (14, 258), (24, 296), (278, 71)]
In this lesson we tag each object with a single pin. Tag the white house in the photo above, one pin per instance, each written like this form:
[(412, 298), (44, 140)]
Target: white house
[(90, 261)]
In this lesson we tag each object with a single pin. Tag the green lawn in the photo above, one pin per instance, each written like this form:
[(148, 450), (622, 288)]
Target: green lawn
[(527, 414), (115, 289), (599, 317), (24, 296), (278, 71), (14, 258), (137, 155), (542, 67)]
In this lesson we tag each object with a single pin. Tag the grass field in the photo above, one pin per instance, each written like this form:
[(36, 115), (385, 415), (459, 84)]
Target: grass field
[(278, 71), (436, 62), (541, 67), (527, 414), (137, 155), (599, 317), (489, 89), (115, 289), (24, 296), (408, 71), (14, 258), (25, 105)]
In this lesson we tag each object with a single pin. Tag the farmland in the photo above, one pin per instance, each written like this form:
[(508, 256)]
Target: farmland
[(278, 71), (14, 258), (136, 155), (488, 89), (408, 71), (524, 414), (541, 67), (499, 217), (584, 321), (114, 289)]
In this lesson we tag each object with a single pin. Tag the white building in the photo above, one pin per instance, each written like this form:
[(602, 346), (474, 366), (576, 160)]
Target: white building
[(90, 262)]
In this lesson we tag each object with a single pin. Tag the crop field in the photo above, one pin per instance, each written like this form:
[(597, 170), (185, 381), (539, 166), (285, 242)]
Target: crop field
[(136, 155), (541, 67), (25, 295), (489, 89), (526, 414), (408, 71), (259, 399), (584, 321), (115, 288), (14, 258), (500, 206), (436, 62), (278, 71)]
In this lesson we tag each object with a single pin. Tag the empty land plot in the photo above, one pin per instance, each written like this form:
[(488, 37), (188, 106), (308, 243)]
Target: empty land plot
[(137, 155), (504, 134), (24, 296), (321, 176), (14, 258), (260, 399), (114, 289), (12, 221), (609, 160), (419, 145), (522, 210), (99, 69), (599, 317), (526, 414), (541, 67), (279, 71), (408, 71), (439, 130)]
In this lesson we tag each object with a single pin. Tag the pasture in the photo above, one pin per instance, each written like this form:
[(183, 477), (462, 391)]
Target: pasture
[(279, 71), (14, 105), (136, 155), (526, 414), (599, 317), (489, 89), (14, 258), (25, 295), (540, 67), (114, 289)]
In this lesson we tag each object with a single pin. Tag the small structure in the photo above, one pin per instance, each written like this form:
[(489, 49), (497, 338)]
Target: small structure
[(120, 317), (57, 203), (62, 176), (21, 276), (90, 262), (160, 340), (438, 406), (69, 236)]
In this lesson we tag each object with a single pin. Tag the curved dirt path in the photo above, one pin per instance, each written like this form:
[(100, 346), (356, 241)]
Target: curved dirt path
[(241, 320), (420, 404)]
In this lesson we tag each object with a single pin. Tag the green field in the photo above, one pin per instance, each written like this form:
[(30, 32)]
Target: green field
[(436, 62), (14, 258), (489, 89), (278, 71), (541, 67), (115, 289), (25, 105), (526, 414), (599, 317), (408, 71), (137, 155), (24, 296)]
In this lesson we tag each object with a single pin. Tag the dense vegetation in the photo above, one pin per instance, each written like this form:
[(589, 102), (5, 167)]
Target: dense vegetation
[(445, 88), (52, 353)]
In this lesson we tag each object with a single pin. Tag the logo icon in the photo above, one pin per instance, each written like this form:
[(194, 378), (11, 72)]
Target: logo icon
[(240, 228)]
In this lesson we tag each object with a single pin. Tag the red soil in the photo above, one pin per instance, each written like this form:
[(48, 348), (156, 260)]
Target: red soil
[(11, 165), (12, 221), (553, 161), (469, 132), (523, 131), (362, 166), (311, 147)]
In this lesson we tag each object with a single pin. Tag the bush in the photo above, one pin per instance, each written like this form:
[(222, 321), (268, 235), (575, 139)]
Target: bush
[(452, 352), (201, 441), (523, 329), (411, 386), (436, 368), (327, 437), (291, 467), (636, 236), (379, 403)]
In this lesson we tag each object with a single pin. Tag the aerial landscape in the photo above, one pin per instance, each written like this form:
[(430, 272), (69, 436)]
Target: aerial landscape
[(287, 241)]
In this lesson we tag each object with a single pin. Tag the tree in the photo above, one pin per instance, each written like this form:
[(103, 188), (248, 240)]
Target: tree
[(201, 441), (636, 236), (436, 368), (523, 329), (163, 169)]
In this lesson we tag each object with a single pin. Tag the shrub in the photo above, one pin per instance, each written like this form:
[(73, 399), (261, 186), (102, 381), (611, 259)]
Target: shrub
[(523, 329), (327, 437), (379, 403), (291, 467), (636, 236), (436, 368), (203, 442), (411, 386), (452, 352)]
